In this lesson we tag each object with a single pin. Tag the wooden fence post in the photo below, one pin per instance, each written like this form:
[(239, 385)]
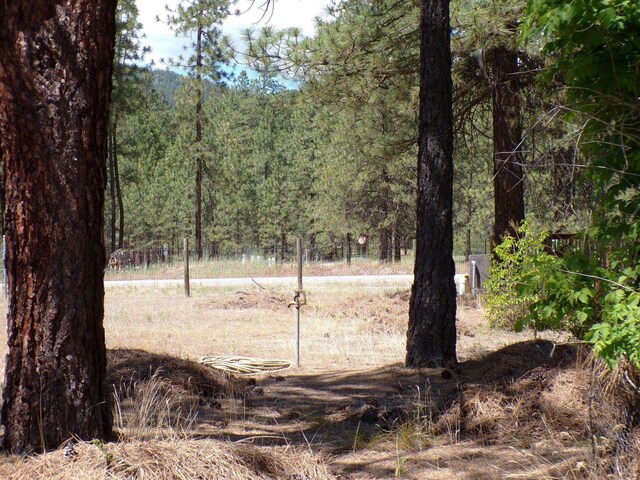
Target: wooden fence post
[(187, 290)]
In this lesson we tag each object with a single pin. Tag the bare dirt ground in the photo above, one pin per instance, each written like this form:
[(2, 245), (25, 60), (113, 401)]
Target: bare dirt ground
[(509, 411)]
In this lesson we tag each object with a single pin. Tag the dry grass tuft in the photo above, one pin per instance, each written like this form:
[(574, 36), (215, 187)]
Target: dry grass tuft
[(615, 420), (271, 299), (169, 460), (515, 360), (154, 408), (530, 394), (126, 367), (574, 465), (545, 405), (163, 397)]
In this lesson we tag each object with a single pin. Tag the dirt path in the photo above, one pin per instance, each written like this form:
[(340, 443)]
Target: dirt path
[(328, 408), (385, 422)]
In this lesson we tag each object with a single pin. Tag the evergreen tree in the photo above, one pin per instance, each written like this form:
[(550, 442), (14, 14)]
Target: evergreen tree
[(54, 182), (202, 19), (431, 337), (128, 50), (491, 69)]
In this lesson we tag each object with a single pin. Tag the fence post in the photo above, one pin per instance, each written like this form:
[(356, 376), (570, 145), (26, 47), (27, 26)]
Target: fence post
[(298, 293), (187, 290), (299, 299), (474, 279)]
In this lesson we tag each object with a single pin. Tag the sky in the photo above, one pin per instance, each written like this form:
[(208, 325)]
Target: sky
[(287, 13)]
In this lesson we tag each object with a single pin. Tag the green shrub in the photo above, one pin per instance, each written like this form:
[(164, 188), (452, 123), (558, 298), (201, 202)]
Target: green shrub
[(592, 48), (516, 261)]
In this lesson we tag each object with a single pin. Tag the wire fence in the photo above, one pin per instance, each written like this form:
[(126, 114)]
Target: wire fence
[(364, 271), (365, 267)]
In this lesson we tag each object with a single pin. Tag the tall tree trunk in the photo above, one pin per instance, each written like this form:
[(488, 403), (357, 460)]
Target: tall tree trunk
[(349, 248), (59, 56), (283, 246), (198, 232), (564, 185), (112, 190), (396, 244), (392, 248), (385, 254), (431, 337), (508, 174), (116, 172)]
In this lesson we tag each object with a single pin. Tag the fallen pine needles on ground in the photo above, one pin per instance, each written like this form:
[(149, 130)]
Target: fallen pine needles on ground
[(187, 460)]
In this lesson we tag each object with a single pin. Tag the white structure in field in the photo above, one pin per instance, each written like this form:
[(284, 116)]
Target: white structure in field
[(462, 283)]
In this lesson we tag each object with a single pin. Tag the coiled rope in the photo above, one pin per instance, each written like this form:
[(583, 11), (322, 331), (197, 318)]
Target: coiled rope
[(244, 365)]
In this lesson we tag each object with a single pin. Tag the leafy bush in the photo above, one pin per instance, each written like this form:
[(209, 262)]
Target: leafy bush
[(592, 49), (517, 264), (566, 295)]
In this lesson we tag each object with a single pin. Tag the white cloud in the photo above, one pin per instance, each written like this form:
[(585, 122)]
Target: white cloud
[(287, 13)]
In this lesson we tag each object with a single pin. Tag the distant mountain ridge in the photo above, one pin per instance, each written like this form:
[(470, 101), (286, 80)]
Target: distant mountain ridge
[(167, 82)]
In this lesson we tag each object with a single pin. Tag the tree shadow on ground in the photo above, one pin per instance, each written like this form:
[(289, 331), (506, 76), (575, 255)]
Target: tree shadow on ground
[(340, 412)]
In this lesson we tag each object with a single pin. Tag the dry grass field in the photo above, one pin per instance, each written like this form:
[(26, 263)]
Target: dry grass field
[(515, 409), (225, 268)]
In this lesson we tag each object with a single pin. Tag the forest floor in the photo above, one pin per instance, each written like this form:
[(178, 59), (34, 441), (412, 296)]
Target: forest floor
[(515, 408)]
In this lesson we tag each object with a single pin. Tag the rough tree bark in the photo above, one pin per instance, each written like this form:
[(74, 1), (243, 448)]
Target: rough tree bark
[(385, 245), (431, 337), (56, 60), (508, 173), (116, 170), (112, 192)]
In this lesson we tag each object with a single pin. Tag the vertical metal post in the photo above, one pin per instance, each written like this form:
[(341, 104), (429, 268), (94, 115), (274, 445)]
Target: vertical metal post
[(299, 257), (474, 280), (298, 293), (187, 290)]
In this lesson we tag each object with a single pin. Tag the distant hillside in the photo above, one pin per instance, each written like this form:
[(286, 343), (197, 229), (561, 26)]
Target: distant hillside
[(167, 82)]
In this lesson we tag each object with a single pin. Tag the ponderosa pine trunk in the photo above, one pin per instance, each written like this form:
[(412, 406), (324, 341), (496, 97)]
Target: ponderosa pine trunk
[(385, 255), (56, 60), (116, 170), (564, 183), (508, 172), (112, 192), (431, 337)]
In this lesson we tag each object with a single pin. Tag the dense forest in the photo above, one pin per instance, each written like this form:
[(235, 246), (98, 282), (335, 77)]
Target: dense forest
[(319, 138)]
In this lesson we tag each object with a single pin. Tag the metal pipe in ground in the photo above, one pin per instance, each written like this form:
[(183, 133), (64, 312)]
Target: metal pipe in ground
[(298, 293), (187, 289)]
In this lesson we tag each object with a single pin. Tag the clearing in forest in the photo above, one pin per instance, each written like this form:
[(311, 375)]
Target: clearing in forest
[(515, 408)]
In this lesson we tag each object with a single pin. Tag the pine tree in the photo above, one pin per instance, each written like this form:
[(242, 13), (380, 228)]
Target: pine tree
[(202, 19), (431, 338), (128, 49), (54, 181)]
